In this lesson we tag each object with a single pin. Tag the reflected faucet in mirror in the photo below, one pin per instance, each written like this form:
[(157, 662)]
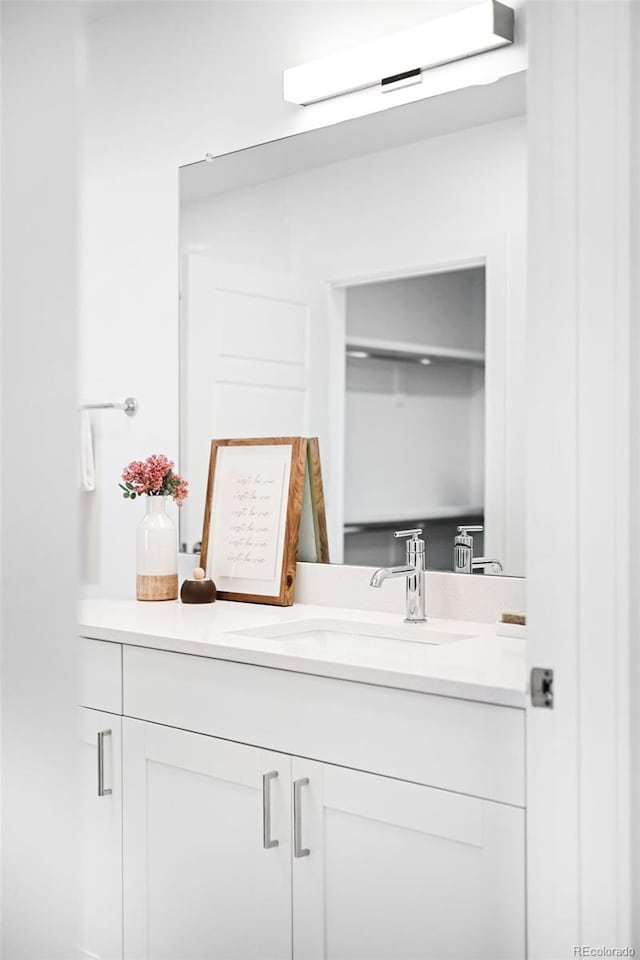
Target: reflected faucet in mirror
[(463, 559), (413, 571)]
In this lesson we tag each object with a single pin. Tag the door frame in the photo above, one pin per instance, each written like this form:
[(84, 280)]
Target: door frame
[(582, 443), (492, 253)]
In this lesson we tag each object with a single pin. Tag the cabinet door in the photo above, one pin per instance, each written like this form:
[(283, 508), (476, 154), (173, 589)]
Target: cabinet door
[(396, 870), (101, 850), (207, 848)]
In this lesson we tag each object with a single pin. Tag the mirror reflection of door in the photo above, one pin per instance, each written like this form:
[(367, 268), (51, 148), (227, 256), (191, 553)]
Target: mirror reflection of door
[(254, 362), (414, 415)]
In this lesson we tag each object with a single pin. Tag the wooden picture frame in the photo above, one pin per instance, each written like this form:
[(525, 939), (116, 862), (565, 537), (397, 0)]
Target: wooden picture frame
[(314, 539), (252, 517)]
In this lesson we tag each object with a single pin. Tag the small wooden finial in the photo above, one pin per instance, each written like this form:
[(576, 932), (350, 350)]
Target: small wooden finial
[(198, 588)]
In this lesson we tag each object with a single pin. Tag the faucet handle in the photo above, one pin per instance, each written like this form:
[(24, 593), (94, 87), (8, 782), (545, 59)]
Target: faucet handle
[(466, 530), (414, 534), (415, 546)]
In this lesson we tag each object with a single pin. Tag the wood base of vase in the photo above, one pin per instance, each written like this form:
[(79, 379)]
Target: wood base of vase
[(157, 588)]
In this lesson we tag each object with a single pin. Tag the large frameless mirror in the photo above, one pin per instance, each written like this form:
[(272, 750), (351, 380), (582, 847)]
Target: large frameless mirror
[(364, 284)]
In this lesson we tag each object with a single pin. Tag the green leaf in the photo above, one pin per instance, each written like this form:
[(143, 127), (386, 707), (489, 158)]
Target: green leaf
[(133, 495), (129, 486)]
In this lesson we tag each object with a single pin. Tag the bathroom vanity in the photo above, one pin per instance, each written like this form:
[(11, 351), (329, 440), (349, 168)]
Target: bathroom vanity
[(323, 781), (310, 782)]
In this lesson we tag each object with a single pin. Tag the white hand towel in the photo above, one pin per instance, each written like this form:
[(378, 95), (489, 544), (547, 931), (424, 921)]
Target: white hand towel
[(87, 460)]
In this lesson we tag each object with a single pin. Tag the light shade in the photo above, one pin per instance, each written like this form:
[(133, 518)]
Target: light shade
[(477, 29)]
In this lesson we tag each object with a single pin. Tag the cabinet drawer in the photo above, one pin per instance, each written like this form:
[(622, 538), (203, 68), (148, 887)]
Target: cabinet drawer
[(100, 675), (459, 745)]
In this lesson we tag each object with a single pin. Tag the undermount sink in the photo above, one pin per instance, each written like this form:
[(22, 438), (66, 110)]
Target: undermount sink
[(341, 634)]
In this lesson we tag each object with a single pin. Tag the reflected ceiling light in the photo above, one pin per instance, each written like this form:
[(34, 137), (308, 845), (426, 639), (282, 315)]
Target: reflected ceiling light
[(358, 354), (425, 360), (399, 59)]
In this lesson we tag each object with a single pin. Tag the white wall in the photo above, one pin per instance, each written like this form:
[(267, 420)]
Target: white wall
[(363, 217), (441, 310), (168, 83), (407, 439), (40, 102)]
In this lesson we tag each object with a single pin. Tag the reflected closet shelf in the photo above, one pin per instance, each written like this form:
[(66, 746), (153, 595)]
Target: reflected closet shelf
[(399, 350)]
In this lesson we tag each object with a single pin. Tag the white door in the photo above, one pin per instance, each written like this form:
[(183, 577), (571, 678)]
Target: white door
[(256, 362), (397, 871), (204, 878), (101, 849)]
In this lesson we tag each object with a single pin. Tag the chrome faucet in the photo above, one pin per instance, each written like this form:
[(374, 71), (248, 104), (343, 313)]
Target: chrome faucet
[(463, 559), (413, 571)]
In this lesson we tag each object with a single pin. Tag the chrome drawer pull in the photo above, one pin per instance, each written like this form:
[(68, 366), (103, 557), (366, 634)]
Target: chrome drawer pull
[(102, 790), (267, 842), (298, 849)]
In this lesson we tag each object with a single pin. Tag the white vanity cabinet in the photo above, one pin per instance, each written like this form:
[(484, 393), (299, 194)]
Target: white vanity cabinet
[(271, 814), (207, 848), (397, 871), (100, 933)]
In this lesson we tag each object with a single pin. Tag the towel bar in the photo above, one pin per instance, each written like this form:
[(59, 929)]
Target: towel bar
[(130, 406)]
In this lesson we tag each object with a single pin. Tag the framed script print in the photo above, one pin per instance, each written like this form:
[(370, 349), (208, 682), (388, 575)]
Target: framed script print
[(252, 518)]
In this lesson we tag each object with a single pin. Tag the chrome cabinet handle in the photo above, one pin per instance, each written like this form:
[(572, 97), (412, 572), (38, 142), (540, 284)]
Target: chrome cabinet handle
[(267, 842), (102, 790), (298, 849)]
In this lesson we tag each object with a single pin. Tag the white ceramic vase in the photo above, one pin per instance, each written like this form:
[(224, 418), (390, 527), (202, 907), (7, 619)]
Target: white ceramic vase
[(157, 553)]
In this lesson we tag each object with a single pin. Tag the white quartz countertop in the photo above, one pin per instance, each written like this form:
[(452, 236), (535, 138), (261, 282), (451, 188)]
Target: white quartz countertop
[(480, 666)]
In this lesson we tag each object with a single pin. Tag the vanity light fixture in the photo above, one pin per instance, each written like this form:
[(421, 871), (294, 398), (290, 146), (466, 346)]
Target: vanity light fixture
[(399, 59), (358, 354), (425, 361)]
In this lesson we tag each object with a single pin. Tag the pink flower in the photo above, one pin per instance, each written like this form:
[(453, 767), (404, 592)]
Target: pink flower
[(182, 490), (155, 477)]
